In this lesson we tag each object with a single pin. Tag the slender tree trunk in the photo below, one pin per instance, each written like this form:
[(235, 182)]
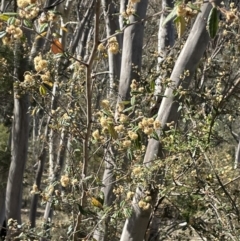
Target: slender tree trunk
[(132, 51), (19, 157), (130, 67), (114, 60), (40, 167), (123, 4), (19, 143), (165, 40), (135, 226), (237, 156), (88, 91)]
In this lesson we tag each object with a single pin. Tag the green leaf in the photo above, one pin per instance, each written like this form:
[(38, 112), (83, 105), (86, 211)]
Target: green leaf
[(133, 99), (11, 20), (122, 203), (2, 34), (155, 136), (170, 16), (42, 90), (152, 85), (10, 14), (58, 55), (126, 102), (107, 113), (212, 23), (128, 109), (127, 212), (27, 23), (42, 27)]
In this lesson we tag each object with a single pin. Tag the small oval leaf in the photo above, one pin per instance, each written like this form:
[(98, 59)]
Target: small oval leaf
[(212, 23), (42, 90)]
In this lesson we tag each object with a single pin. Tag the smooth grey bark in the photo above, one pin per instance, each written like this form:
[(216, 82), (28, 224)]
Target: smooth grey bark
[(135, 226), (237, 156), (123, 4), (19, 142), (165, 39), (37, 45), (19, 156), (132, 51), (112, 25)]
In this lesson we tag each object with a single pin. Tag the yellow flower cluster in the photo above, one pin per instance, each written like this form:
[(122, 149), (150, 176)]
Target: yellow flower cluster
[(134, 85), (96, 135), (23, 3), (65, 181), (130, 9), (28, 78), (105, 104), (48, 17), (120, 107), (101, 47), (29, 13), (34, 189), (12, 224), (133, 135), (14, 31), (103, 121), (74, 182), (144, 205), (39, 63), (45, 77), (118, 190), (137, 171), (126, 143), (130, 195), (119, 128), (113, 45), (148, 125), (46, 195), (123, 118)]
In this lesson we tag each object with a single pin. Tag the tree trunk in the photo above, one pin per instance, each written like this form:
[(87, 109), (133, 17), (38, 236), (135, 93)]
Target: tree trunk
[(19, 157), (165, 40), (114, 60), (40, 167), (132, 51), (130, 67), (135, 226), (237, 157)]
